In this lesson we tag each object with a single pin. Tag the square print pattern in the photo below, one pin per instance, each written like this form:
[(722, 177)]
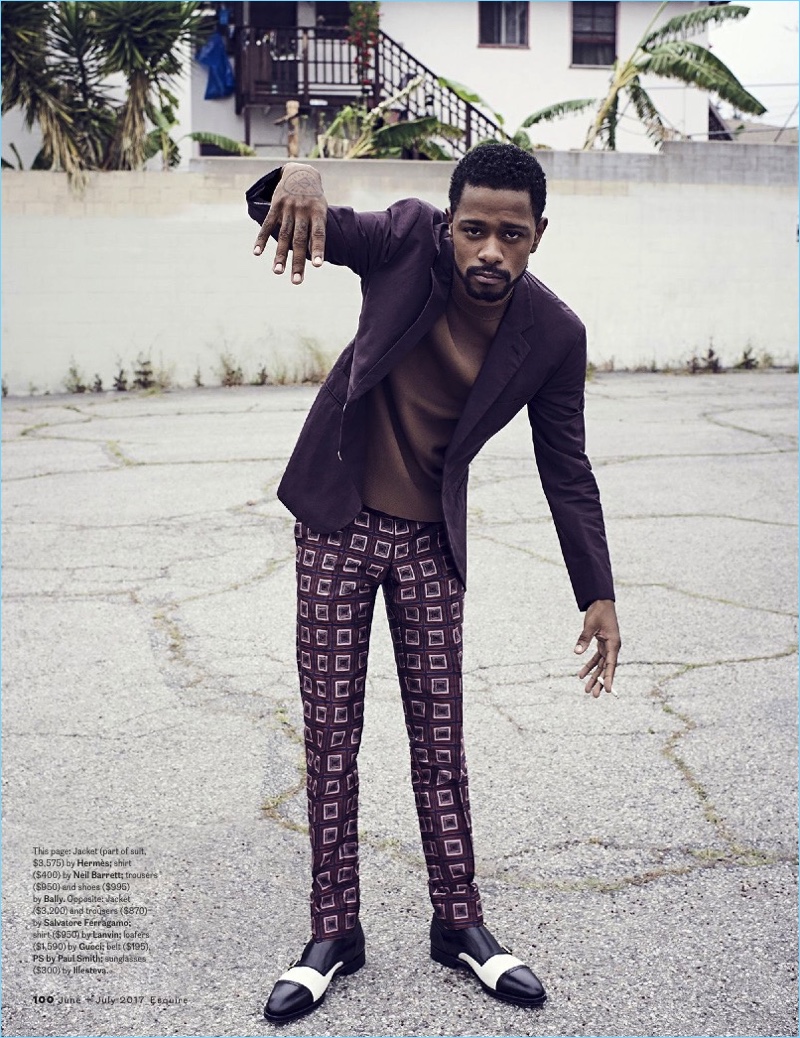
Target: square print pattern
[(338, 576)]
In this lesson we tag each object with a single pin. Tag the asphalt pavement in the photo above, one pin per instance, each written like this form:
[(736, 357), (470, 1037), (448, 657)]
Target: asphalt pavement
[(640, 852)]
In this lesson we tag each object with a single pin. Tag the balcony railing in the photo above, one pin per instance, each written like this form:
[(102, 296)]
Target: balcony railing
[(308, 64)]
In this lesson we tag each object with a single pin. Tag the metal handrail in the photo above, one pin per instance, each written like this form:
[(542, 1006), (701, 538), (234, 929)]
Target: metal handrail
[(276, 64)]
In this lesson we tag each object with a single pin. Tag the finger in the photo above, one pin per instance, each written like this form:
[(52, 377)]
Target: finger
[(284, 241), (610, 670), (584, 640), (317, 241), (299, 247), (266, 230), (592, 683), (590, 665)]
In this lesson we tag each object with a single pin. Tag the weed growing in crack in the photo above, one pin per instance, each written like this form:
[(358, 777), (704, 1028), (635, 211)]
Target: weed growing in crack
[(74, 382), (143, 373), (230, 373), (709, 364), (748, 361)]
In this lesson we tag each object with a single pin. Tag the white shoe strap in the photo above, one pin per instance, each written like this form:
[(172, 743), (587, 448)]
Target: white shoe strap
[(493, 969), (310, 978)]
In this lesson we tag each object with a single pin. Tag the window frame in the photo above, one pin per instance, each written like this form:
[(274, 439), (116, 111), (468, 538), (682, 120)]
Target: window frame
[(575, 64), (507, 46)]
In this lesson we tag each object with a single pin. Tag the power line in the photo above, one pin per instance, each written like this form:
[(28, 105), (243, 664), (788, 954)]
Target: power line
[(787, 122)]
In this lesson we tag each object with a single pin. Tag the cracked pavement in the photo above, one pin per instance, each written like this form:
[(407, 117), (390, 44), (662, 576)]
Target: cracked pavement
[(640, 853)]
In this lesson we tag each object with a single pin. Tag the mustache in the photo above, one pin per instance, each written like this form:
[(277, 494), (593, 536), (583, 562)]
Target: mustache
[(490, 271)]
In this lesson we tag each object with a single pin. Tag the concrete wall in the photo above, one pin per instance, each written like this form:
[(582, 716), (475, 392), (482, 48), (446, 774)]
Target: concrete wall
[(660, 255)]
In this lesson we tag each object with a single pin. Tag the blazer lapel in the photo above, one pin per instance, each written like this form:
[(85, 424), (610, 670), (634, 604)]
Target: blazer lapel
[(507, 352), (441, 276)]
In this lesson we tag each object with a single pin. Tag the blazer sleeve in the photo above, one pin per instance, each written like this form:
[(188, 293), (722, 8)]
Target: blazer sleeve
[(360, 241), (559, 441)]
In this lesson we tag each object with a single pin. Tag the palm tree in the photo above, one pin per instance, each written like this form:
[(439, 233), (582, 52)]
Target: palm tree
[(666, 51), (142, 41), (56, 60), (32, 82), (75, 51)]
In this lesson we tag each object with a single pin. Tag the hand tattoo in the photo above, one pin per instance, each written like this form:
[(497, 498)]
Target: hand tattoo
[(302, 182)]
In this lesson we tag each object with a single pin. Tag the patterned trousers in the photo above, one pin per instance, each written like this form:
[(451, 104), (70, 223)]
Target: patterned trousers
[(338, 576)]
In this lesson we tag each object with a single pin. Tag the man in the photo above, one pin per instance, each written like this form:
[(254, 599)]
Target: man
[(454, 338)]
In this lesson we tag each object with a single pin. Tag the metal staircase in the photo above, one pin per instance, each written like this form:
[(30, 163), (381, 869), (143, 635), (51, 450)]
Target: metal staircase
[(320, 65)]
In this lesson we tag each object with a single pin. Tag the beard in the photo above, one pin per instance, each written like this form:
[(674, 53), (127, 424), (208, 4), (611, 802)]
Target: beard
[(488, 293)]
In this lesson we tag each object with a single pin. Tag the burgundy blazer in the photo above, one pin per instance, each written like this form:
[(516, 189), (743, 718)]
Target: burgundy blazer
[(404, 257)]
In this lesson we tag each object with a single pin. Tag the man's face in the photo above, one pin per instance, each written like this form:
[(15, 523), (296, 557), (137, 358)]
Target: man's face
[(493, 232)]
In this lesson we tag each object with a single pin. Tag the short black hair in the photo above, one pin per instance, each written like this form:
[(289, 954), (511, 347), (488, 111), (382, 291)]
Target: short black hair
[(502, 167)]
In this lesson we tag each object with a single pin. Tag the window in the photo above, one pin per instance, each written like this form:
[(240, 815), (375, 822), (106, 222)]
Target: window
[(331, 14), (503, 24), (594, 34)]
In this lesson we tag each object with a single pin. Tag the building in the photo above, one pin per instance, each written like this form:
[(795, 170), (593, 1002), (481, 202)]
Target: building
[(518, 56)]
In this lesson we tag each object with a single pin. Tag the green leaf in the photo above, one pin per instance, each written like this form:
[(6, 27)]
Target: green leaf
[(223, 143), (694, 65), (159, 117), (414, 134), (432, 150), (558, 110), (470, 97), (461, 91), (647, 112), (692, 22), (522, 140)]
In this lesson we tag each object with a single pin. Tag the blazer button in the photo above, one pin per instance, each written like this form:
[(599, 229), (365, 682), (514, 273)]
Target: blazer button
[(339, 455)]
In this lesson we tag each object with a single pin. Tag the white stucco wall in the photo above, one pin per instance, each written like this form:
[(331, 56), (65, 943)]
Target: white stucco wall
[(660, 255), (519, 81)]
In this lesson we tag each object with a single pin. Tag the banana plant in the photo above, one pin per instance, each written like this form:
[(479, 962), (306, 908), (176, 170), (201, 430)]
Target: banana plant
[(160, 139), (368, 137), (667, 52), (664, 51), (519, 137)]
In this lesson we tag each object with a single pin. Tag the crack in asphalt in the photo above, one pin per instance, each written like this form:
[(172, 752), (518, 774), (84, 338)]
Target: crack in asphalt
[(186, 674)]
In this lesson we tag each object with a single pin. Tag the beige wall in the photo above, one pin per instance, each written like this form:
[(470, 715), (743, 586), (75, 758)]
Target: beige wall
[(660, 255)]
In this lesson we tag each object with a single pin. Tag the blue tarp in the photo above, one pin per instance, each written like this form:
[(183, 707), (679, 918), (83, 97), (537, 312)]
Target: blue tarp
[(221, 81)]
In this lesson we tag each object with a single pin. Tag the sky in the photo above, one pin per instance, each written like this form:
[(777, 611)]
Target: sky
[(762, 51)]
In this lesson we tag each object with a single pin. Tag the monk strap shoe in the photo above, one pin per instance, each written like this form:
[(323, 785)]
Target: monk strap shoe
[(303, 987), (500, 973)]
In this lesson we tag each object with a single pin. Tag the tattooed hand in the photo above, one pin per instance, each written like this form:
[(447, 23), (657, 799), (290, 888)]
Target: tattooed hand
[(298, 208)]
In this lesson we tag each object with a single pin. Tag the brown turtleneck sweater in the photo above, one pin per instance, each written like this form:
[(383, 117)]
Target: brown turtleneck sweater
[(413, 412)]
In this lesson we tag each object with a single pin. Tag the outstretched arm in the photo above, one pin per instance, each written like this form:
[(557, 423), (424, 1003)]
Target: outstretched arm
[(298, 209)]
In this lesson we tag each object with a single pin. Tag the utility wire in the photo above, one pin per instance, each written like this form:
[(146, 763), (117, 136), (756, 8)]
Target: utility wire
[(787, 122)]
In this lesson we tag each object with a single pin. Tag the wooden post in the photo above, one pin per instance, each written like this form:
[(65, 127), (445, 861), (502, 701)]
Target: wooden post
[(376, 83), (306, 91), (292, 120)]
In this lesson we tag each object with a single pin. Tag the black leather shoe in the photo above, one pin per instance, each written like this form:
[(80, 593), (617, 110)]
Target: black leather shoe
[(500, 974), (303, 987)]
